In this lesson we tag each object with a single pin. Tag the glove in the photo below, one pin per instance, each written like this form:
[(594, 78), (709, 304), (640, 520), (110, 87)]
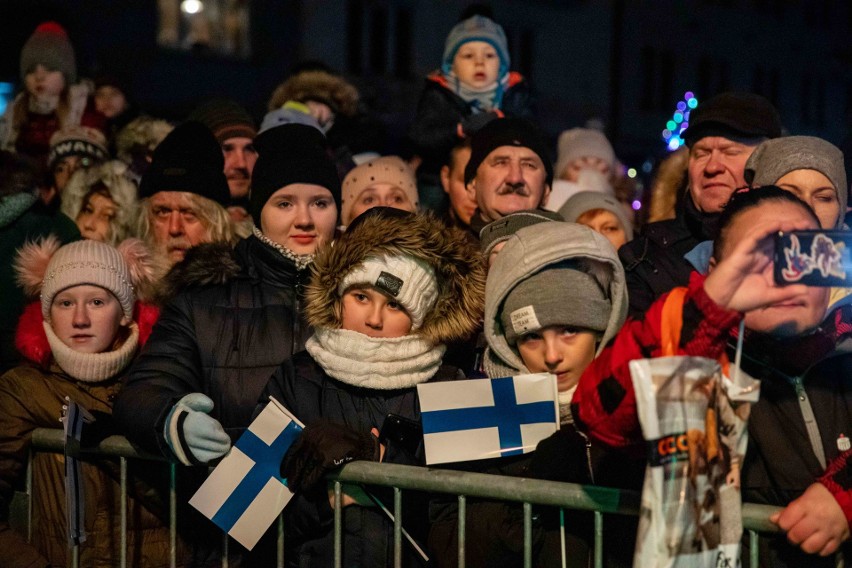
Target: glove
[(193, 436), (471, 124), (322, 447)]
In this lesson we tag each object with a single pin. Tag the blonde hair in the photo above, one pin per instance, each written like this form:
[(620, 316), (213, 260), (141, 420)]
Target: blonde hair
[(213, 216), (668, 185)]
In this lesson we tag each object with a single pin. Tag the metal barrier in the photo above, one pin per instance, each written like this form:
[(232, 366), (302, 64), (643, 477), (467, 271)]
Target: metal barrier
[(529, 492)]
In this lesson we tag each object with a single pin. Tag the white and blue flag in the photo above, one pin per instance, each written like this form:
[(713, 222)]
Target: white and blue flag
[(487, 418), (245, 493)]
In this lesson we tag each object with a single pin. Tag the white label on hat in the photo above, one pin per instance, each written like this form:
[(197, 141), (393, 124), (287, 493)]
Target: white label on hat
[(524, 320)]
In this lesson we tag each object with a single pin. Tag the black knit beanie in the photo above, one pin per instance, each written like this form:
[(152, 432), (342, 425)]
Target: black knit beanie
[(226, 119), (190, 160), (287, 154), (507, 132)]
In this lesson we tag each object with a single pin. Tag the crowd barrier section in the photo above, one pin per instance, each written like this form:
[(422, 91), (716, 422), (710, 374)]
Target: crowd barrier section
[(465, 485)]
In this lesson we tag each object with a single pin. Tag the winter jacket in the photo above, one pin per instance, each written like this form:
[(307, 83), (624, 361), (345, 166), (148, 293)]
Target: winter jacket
[(780, 462), (654, 261), (234, 318), (440, 112), (31, 396), (310, 393)]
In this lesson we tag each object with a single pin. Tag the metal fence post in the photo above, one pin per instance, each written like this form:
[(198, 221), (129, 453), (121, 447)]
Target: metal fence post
[(123, 507), (462, 528)]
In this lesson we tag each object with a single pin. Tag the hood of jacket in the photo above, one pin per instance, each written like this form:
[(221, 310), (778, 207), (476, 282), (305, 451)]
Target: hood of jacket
[(527, 252), (458, 266)]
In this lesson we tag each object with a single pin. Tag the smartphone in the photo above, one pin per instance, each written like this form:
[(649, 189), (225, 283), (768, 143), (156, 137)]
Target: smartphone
[(814, 258), (402, 432)]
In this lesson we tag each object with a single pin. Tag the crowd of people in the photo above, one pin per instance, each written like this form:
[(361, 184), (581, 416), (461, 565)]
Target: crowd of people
[(170, 277)]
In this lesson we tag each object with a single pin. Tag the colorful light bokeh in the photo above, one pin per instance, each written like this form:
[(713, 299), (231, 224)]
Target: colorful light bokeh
[(672, 134)]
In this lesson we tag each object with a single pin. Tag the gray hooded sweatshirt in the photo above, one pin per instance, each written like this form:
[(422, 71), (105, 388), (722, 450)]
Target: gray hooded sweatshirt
[(526, 253)]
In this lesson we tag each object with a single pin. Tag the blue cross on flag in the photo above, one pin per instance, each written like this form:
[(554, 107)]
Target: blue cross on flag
[(245, 493), (487, 418)]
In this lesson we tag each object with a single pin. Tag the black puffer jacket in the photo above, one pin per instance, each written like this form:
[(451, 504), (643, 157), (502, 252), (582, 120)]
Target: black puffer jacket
[(235, 318), (654, 262), (304, 388)]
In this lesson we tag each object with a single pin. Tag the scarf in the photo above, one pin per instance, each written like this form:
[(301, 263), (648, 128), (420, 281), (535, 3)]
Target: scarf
[(375, 362), (483, 99), (300, 260), (93, 367)]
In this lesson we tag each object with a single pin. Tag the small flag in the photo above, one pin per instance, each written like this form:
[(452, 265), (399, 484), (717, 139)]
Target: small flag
[(245, 493), (73, 417), (487, 418)]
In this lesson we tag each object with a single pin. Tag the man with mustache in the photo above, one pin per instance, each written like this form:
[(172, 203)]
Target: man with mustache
[(184, 194), (234, 130), (509, 170)]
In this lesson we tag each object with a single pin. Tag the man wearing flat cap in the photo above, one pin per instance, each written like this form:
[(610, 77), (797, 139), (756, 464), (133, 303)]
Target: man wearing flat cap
[(509, 170), (722, 134)]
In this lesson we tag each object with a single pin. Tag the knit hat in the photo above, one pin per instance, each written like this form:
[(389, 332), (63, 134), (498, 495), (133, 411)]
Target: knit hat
[(584, 201), (82, 141), (188, 160), (507, 132), (88, 262), (743, 115), (408, 280), (387, 169), (288, 154), (500, 230), (476, 28), (49, 46), (774, 159), (583, 142), (291, 112), (552, 297), (226, 119)]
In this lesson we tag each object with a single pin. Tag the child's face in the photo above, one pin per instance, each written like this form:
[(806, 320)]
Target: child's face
[(558, 349), (110, 101), (86, 318), (476, 64), (607, 224), (41, 82), (382, 195), (572, 170), (368, 311), (63, 169), (95, 217)]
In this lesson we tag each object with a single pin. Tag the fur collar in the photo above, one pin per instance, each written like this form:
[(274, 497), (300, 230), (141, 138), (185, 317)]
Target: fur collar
[(208, 264)]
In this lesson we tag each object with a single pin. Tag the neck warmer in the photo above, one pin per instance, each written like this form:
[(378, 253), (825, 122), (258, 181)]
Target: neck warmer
[(300, 260), (375, 362), (14, 206), (564, 398), (42, 105), (93, 367), (483, 99), (703, 226)]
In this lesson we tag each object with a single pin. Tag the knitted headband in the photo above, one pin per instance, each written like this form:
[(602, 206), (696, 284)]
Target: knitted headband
[(407, 280)]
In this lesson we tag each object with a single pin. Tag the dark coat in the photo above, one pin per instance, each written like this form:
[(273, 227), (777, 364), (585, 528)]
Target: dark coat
[(235, 318), (654, 262), (304, 388), (439, 112)]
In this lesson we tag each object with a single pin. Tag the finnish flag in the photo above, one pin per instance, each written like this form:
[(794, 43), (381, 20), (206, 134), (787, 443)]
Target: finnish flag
[(487, 418), (245, 493)]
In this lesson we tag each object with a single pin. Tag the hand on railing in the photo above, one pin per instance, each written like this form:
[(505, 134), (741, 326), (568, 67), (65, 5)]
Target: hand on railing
[(193, 436), (815, 522)]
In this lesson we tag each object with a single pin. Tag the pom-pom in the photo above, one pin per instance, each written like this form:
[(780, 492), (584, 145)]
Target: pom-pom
[(31, 263)]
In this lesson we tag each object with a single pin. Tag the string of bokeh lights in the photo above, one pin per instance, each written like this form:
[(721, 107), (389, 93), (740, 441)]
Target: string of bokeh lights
[(679, 121)]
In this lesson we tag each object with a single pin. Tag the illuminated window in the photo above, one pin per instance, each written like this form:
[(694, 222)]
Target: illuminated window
[(215, 26)]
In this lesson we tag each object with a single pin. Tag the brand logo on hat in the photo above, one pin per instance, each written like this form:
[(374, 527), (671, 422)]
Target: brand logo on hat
[(389, 283), (524, 320)]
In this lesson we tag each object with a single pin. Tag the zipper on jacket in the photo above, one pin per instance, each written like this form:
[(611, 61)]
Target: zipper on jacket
[(810, 420)]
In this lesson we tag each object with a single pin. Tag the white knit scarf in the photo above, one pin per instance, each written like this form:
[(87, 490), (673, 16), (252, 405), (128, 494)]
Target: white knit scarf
[(483, 99), (93, 367), (375, 362)]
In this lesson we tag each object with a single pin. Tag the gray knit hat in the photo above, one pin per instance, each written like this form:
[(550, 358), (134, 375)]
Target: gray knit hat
[(49, 45), (476, 28), (580, 142), (777, 157), (88, 262), (561, 294), (584, 201), (500, 230)]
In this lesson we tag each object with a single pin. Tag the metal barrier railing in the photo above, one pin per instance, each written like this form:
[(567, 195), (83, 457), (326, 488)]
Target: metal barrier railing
[(529, 492)]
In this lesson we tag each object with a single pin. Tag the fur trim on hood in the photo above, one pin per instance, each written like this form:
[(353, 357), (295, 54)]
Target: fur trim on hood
[(458, 266), (31, 339), (526, 253), (318, 86), (208, 264)]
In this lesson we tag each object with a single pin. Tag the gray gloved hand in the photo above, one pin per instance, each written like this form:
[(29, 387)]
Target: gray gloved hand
[(193, 436)]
